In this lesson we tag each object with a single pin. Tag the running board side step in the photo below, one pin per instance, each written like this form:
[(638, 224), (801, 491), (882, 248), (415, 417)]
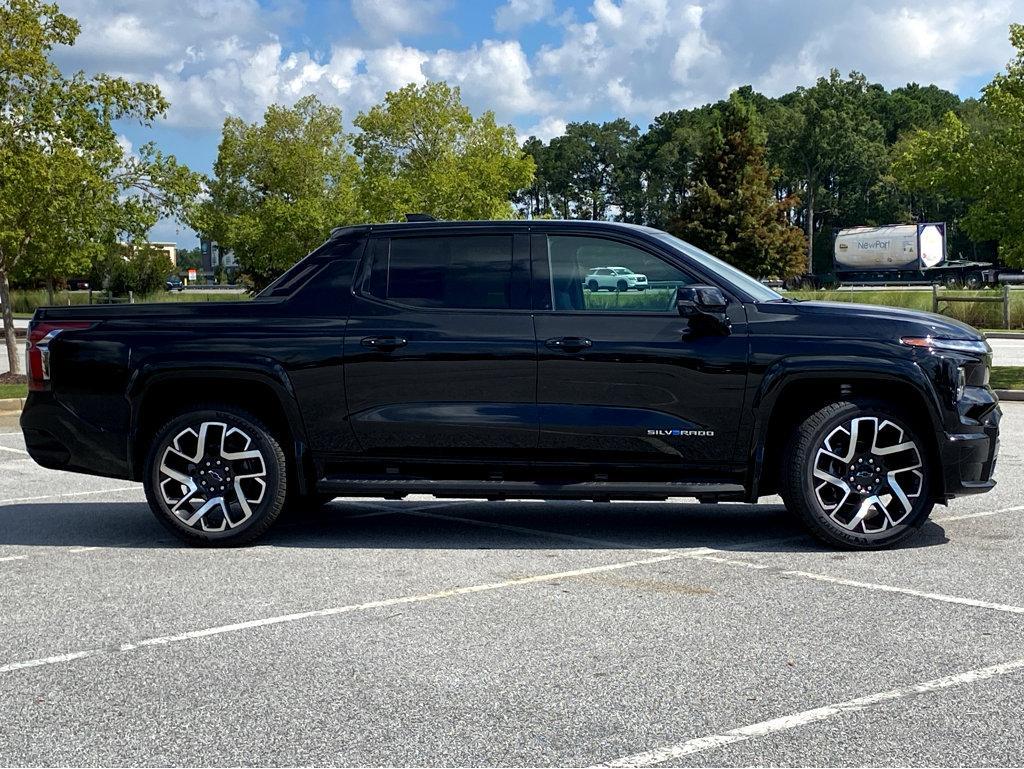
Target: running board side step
[(495, 490)]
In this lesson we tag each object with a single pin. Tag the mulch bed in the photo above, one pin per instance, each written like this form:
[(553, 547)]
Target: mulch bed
[(10, 378)]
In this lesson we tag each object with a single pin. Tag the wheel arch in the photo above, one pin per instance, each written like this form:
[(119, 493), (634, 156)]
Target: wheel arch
[(792, 390), (160, 391)]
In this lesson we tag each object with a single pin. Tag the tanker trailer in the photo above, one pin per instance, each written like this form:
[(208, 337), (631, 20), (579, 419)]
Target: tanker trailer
[(904, 253)]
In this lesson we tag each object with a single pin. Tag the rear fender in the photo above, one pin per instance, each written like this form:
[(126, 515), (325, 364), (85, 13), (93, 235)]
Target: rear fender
[(196, 369)]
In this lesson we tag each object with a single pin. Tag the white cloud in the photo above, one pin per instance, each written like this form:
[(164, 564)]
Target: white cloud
[(388, 20), (495, 73), (515, 14), (638, 56), (616, 57), (545, 129)]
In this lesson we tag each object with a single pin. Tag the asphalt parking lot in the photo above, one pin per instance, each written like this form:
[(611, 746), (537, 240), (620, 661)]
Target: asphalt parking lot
[(437, 633)]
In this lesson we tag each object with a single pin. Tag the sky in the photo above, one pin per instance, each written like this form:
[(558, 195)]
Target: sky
[(537, 64)]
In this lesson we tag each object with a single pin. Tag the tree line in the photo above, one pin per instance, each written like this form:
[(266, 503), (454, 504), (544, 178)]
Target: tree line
[(762, 182)]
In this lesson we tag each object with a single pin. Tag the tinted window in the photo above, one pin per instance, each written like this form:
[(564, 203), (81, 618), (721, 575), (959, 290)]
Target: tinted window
[(459, 272), (305, 270), (605, 275)]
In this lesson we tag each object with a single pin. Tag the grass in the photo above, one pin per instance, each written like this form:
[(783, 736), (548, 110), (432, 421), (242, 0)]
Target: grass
[(13, 391), (651, 300), (977, 314), (1007, 378), (24, 303)]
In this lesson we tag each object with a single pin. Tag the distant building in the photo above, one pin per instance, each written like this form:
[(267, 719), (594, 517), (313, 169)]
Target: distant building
[(215, 255), (169, 248)]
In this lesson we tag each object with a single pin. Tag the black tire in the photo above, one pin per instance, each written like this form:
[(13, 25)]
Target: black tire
[(593, 285), (240, 521), (887, 523), (952, 283), (622, 285), (975, 281)]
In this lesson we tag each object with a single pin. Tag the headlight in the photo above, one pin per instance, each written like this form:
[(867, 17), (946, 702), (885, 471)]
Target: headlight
[(975, 346)]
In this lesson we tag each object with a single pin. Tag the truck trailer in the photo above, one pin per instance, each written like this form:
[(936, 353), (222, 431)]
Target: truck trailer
[(899, 254)]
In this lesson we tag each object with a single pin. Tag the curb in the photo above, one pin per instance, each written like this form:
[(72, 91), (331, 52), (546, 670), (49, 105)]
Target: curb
[(1003, 335), (9, 406), (1004, 395)]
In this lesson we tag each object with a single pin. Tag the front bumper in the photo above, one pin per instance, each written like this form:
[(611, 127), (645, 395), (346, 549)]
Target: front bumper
[(969, 457)]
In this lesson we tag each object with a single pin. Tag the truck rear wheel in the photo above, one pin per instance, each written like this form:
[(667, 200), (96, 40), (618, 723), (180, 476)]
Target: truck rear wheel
[(857, 476), (216, 476)]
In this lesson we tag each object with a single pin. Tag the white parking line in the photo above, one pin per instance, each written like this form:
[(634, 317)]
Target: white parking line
[(287, 618), (909, 591), (16, 451), (13, 558), (982, 514), (672, 752), (68, 494), (719, 556)]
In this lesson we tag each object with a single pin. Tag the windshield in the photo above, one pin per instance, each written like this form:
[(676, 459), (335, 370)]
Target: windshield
[(740, 279)]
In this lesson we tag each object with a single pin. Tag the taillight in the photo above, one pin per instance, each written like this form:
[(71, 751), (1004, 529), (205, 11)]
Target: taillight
[(37, 350)]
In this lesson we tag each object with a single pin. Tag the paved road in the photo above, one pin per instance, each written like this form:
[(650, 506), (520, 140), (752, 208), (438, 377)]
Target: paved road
[(1007, 352), (439, 633), (4, 367)]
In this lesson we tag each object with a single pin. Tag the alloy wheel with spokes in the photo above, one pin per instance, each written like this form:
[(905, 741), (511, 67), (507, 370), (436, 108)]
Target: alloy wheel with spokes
[(212, 477), (857, 474), (216, 477), (868, 474)]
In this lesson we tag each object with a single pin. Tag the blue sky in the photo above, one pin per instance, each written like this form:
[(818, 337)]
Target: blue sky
[(537, 63)]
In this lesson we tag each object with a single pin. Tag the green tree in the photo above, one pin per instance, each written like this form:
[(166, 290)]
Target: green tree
[(279, 187), (730, 208), (662, 161), (980, 161), (122, 269), (189, 258), (829, 145), (66, 183), (423, 151), (587, 169)]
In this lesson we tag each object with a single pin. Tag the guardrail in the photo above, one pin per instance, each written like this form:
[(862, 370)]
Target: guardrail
[(1003, 298)]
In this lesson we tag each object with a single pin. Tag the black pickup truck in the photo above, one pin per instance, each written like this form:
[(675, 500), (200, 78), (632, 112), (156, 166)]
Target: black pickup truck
[(474, 359)]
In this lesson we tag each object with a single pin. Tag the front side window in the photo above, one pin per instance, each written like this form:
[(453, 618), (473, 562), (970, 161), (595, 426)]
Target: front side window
[(596, 274), (466, 272)]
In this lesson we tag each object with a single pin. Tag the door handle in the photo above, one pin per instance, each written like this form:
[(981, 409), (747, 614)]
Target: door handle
[(569, 343), (385, 343)]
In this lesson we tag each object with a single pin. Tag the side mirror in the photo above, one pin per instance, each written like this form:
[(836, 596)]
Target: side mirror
[(705, 308)]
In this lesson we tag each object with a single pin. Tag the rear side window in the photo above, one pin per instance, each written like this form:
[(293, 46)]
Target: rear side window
[(302, 273), (467, 272)]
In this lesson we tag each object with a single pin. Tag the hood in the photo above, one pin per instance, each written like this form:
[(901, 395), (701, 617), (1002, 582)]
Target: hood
[(867, 321)]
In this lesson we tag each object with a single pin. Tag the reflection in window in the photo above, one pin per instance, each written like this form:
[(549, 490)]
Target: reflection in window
[(604, 275)]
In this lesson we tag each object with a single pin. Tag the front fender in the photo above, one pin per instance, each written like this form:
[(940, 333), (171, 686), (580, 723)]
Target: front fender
[(835, 370)]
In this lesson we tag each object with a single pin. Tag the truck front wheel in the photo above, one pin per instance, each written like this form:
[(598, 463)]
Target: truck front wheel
[(216, 476), (857, 475)]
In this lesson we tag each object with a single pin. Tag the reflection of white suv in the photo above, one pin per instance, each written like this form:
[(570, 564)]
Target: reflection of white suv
[(615, 279)]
